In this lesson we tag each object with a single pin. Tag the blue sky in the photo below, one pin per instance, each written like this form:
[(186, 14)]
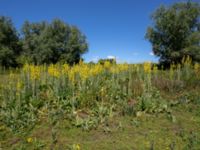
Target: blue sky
[(112, 27)]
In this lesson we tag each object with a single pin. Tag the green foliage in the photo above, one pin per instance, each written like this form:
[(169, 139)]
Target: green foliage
[(152, 102), (40, 43), (10, 46), (52, 42), (176, 32)]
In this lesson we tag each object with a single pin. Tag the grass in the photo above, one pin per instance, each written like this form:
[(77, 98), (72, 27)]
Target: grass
[(147, 131)]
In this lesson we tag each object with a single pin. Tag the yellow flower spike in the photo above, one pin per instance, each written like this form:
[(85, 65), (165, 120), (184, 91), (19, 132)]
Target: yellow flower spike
[(76, 147), (122, 67), (147, 67), (96, 69), (84, 71), (65, 69), (29, 140), (2, 128), (72, 73), (53, 71), (114, 69), (107, 65), (35, 72)]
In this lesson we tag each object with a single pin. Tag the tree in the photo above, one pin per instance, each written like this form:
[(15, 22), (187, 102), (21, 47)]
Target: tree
[(110, 60), (9, 43), (176, 32), (33, 42), (75, 47), (54, 42)]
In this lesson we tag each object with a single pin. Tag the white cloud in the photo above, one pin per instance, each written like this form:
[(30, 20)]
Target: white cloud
[(111, 57), (151, 53)]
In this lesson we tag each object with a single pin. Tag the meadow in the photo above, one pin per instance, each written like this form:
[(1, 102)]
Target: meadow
[(100, 106)]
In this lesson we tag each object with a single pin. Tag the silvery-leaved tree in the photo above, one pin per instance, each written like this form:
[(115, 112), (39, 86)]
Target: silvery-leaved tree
[(176, 32), (53, 42)]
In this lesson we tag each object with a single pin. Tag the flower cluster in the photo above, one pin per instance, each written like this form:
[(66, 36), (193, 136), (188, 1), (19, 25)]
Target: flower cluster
[(35, 72), (107, 65), (147, 67), (29, 140), (119, 68), (65, 69), (54, 71), (96, 69), (84, 71)]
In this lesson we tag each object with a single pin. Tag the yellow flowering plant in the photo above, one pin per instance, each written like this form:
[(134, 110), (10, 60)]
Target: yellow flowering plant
[(34, 72), (29, 140), (147, 67), (65, 69), (54, 71)]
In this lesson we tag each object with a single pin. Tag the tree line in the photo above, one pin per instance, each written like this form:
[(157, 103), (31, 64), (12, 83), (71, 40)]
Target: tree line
[(40, 43), (175, 33)]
